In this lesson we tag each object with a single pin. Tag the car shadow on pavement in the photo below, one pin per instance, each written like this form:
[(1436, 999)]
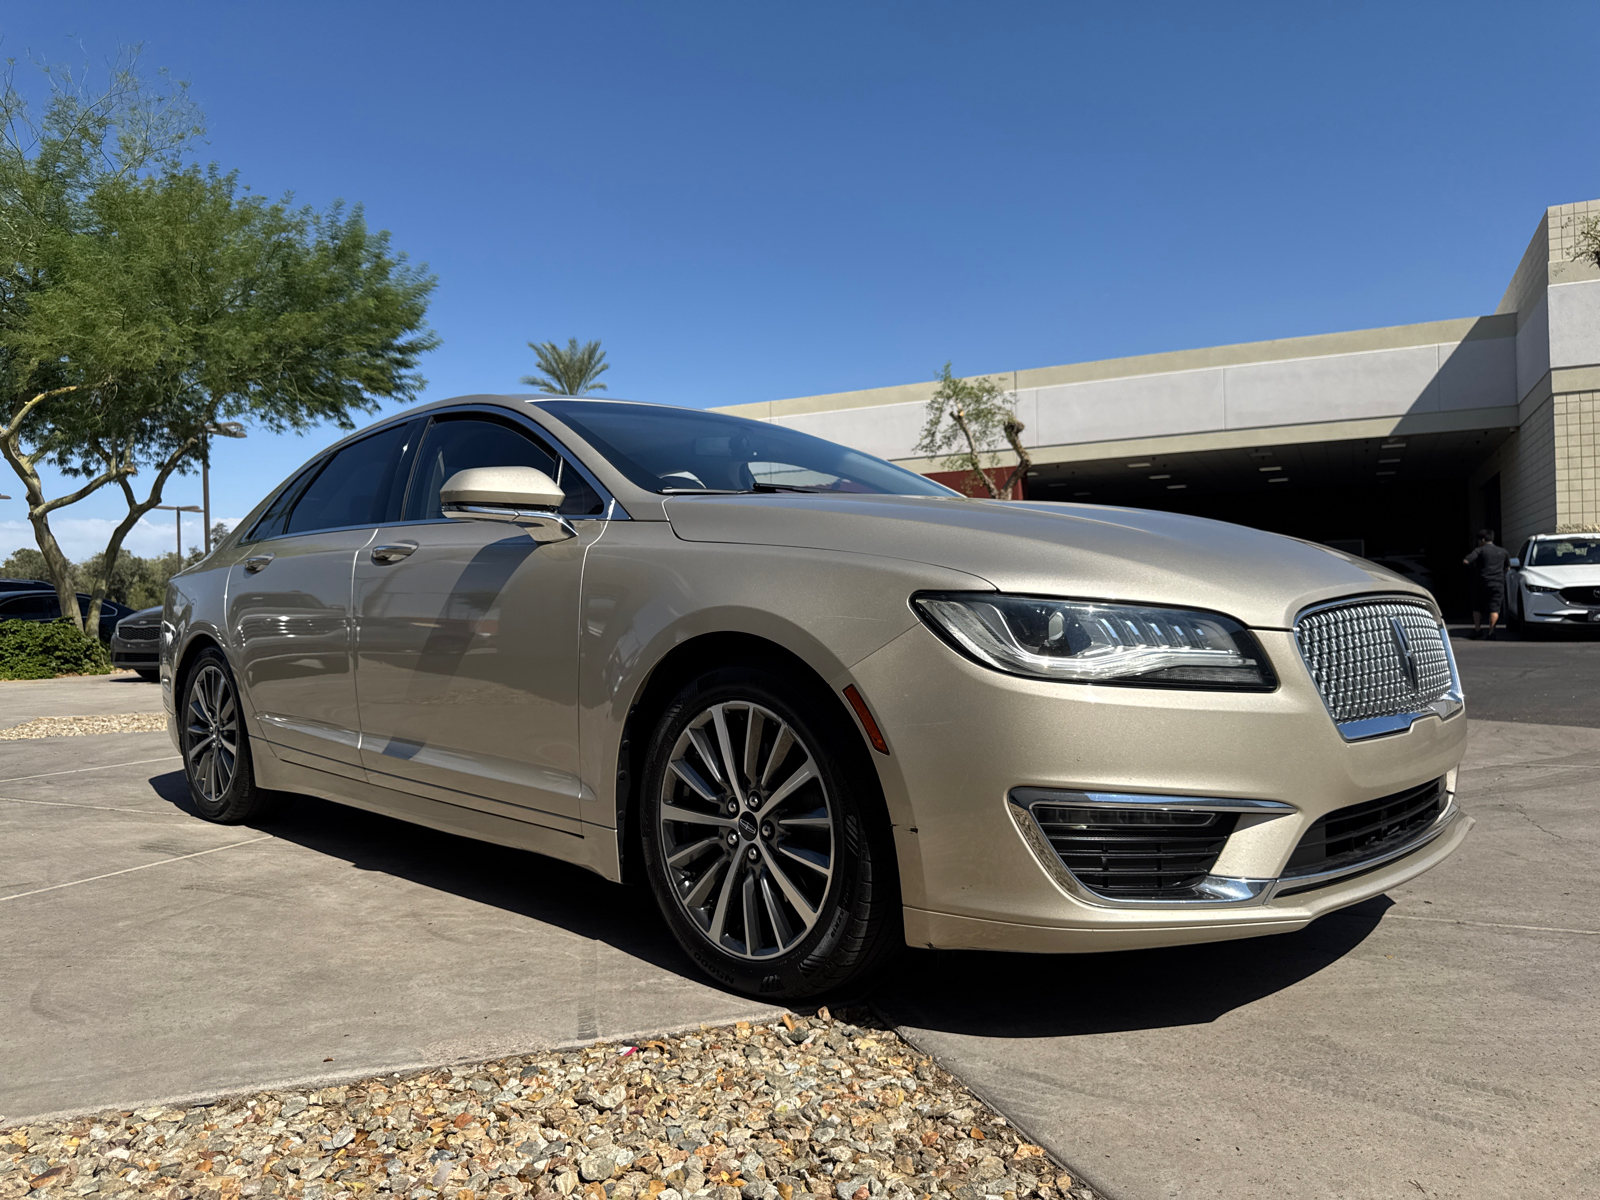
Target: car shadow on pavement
[(517, 881), (973, 992), (1039, 995)]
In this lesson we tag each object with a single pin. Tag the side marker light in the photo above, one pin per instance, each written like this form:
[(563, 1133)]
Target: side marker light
[(874, 735)]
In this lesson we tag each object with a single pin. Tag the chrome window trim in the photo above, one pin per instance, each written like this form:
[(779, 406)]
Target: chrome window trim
[(1227, 891), (1446, 706)]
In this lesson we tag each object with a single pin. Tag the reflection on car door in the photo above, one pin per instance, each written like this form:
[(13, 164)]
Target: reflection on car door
[(467, 642), (289, 602)]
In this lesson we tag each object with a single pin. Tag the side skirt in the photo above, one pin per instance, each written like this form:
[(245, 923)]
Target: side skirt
[(596, 849)]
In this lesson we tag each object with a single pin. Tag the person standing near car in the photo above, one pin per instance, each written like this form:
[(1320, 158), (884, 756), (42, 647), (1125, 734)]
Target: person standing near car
[(1488, 581)]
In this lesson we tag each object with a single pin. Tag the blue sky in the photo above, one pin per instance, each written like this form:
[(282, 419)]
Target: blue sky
[(747, 201)]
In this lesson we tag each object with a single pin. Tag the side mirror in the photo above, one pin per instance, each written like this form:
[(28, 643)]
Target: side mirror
[(519, 496), (1515, 563)]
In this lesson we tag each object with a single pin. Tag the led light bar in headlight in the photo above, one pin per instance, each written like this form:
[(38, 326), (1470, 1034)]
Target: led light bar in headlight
[(1080, 641)]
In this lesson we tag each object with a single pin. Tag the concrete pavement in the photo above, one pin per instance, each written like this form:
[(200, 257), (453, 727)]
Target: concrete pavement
[(1546, 676), (1439, 1041), (82, 696), (146, 954)]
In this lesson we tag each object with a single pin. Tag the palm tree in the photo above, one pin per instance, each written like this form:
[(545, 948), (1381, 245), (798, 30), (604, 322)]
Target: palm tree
[(568, 372)]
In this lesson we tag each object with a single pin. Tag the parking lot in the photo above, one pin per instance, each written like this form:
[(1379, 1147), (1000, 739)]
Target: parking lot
[(1437, 1041)]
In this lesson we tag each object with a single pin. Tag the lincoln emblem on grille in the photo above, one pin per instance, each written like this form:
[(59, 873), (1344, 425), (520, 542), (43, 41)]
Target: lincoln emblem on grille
[(1408, 656)]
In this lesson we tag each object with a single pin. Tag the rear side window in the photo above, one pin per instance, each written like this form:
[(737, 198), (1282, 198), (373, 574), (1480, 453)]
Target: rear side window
[(354, 487), (31, 608), (457, 444)]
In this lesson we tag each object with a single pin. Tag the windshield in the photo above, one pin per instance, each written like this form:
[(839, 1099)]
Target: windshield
[(683, 450), (1566, 552)]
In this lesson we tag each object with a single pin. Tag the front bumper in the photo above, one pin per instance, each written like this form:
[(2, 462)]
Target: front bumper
[(141, 655), (1548, 608), (962, 738)]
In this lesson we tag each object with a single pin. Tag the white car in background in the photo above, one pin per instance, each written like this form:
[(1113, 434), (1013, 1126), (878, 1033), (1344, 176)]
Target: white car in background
[(1555, 579)]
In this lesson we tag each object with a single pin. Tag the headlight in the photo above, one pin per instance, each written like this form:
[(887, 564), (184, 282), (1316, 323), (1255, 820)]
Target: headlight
[(1079, 641), (1537, 590)]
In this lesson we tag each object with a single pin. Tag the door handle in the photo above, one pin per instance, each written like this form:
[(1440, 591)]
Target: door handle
[(255, 564), (393, 552)]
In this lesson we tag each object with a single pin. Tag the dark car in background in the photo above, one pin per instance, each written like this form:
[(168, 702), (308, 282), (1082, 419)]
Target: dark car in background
[(44, 606), (26, 585), (136, 644)]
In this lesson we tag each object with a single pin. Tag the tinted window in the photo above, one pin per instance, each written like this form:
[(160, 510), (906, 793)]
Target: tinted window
[(662, 449), (354, 487), (31, 608), (458, 443), (272, 521)]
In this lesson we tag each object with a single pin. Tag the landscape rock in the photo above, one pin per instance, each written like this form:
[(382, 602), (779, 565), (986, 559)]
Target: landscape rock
[(807, 1108)]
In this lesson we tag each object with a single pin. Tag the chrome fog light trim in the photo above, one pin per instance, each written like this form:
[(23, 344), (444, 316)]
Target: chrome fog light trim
[(1209, 891)]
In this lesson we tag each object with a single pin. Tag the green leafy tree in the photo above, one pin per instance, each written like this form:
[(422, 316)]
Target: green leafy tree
[(967, 421), (145, 298), (28, 563), (134, 581), (568, 371)]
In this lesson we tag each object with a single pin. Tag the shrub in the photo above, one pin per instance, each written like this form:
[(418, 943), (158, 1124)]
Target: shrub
[(45, 649)]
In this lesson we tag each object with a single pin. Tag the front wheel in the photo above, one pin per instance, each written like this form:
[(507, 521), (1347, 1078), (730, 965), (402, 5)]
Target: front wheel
[(216, 749), (764, 836)]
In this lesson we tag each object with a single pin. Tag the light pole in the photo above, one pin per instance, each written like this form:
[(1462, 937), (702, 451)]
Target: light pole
[(231, 429), (177, 511)]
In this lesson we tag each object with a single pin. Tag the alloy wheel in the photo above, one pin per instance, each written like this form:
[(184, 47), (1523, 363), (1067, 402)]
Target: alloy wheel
[(746, 830), (211, 733)]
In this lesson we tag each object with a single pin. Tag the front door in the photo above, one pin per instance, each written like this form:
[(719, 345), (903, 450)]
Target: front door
[(289, 603), (467, 642)]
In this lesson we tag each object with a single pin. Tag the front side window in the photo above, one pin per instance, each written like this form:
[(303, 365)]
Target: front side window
[(355, 486), (1566, 552), (459, 443), (676, 450)]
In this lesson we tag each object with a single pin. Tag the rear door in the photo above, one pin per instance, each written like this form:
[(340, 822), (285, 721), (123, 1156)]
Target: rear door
[(289, 600), (467, 637)]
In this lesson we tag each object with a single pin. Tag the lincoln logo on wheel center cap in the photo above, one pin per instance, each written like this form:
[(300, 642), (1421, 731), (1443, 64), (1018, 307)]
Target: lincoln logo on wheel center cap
[(747, 826)]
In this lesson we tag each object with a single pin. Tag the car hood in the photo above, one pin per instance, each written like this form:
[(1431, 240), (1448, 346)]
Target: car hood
[(1082, 550), (1577, 575), (145, 616)]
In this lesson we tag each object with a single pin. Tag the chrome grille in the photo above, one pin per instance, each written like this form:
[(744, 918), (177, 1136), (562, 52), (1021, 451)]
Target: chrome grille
[(1358, 655)]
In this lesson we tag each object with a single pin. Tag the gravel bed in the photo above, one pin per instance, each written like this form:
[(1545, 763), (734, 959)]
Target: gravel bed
[(43, 727), (796, 1110)]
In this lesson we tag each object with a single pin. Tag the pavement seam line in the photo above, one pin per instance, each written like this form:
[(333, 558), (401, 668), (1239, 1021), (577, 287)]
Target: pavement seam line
[(266, 837), (206, 1097), (1496, 924), (908, 1034), (80, 770), (144, 812)]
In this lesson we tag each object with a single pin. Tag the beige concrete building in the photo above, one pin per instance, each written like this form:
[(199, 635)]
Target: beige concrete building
[(1393, 442)]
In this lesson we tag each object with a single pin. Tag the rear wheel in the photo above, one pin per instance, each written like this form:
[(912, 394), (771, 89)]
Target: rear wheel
[(216, 750), (764, 836)]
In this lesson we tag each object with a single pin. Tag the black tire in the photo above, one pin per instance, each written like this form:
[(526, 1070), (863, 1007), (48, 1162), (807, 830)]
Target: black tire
[(836, 816), (148, 676), (216, 749)]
